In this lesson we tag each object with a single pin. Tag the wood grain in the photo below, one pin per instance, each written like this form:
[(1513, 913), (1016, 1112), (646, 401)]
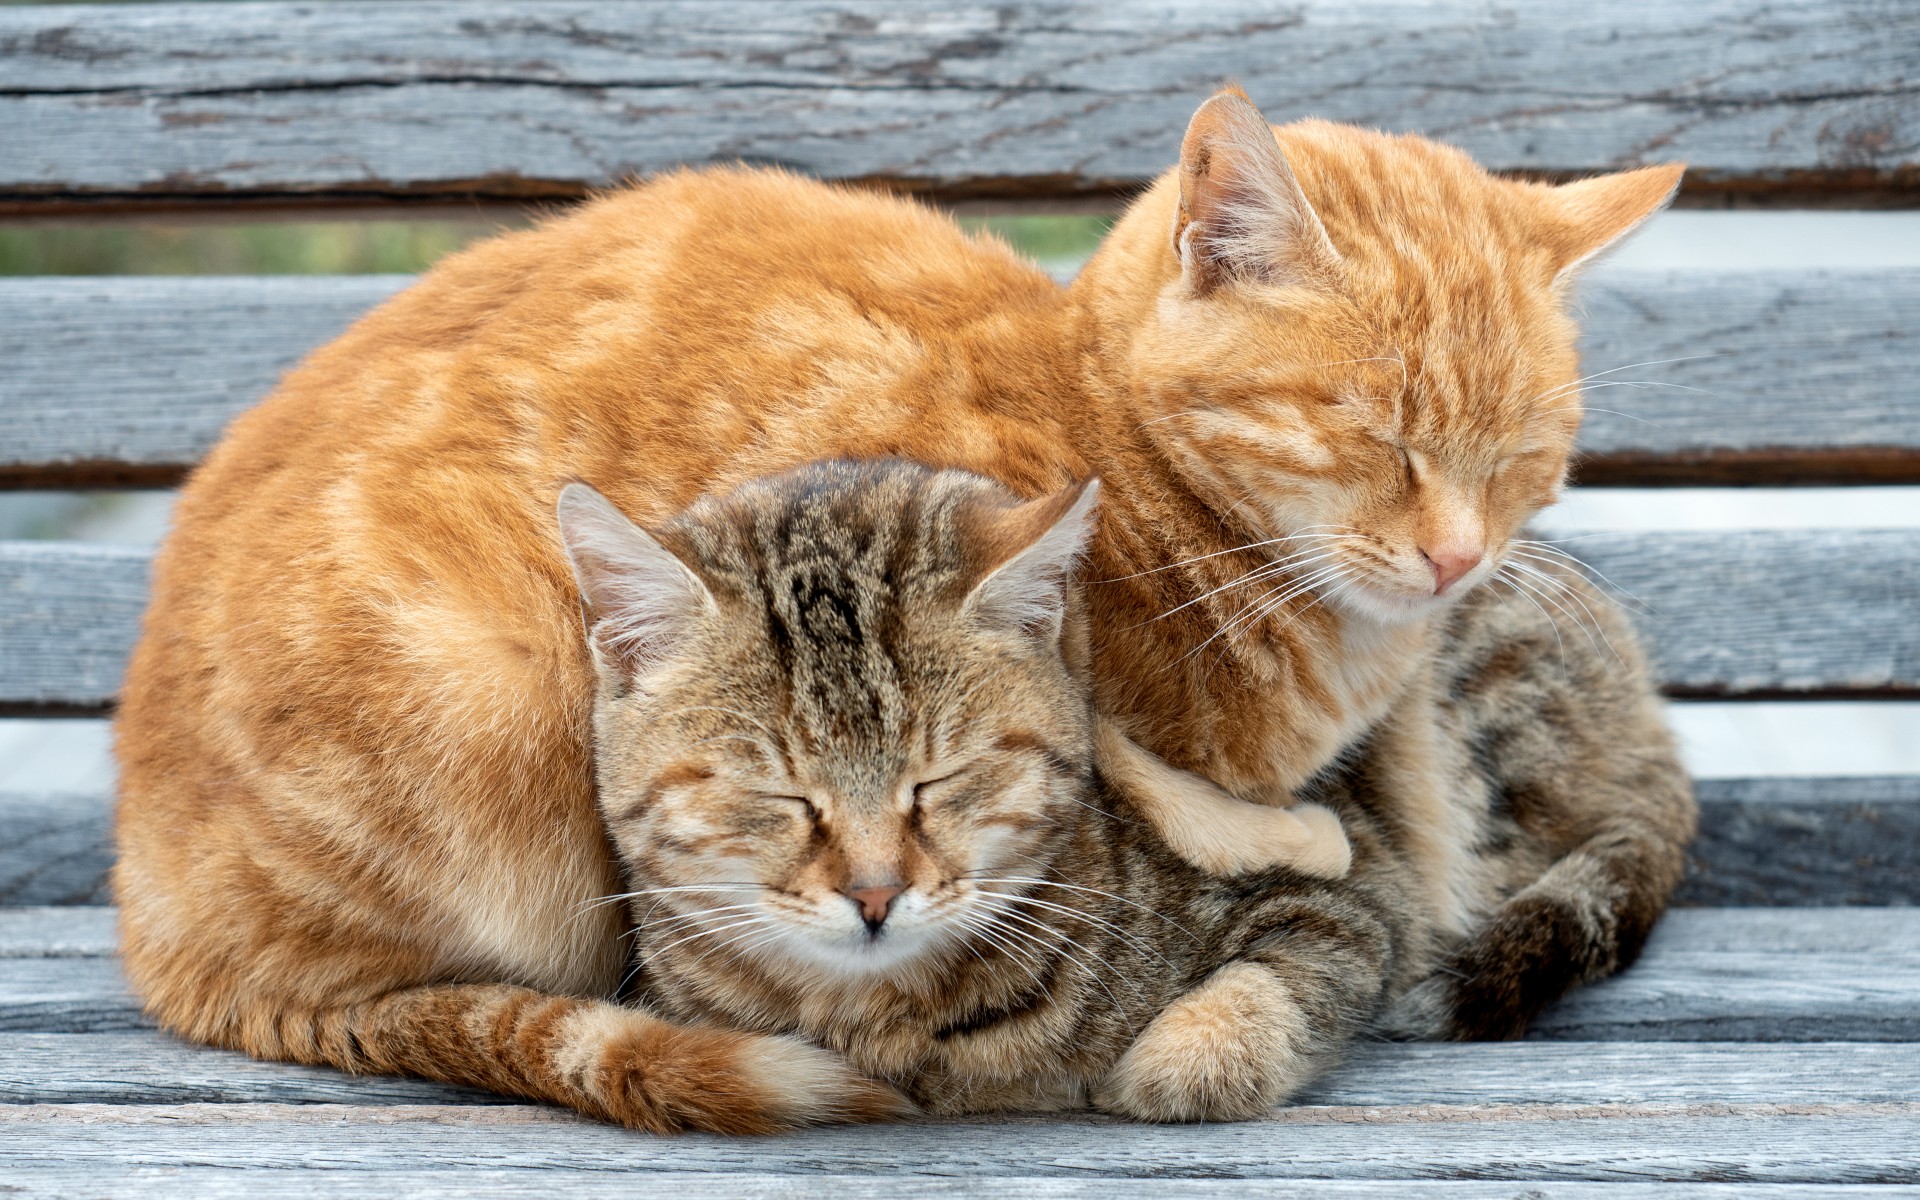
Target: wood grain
[(471, 1182), (1783, 376), (55, 848), (365, 100), (1749, 613), (152, 1068), (1806, 841), (1719, 1143), (1788, 974)]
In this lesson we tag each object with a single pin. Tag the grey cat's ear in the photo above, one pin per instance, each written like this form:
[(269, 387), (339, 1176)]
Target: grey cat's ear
[(1242, 214), (1029, 552), (640, 597)]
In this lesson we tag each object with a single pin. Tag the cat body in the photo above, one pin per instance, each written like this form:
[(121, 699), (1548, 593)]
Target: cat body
[(356, 791)]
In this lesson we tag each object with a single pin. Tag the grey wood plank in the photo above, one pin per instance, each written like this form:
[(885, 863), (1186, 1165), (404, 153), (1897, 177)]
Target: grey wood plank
[(383, 100), (131, 381), (1776, 377), (1865, 1143), (1723, 617), (149, 1067), (69, 613), (1785, 841), (488, 1183), (1768, 613), (58, 932), (1802, 376), (1806, 841), (55, 848), (1785, 974)]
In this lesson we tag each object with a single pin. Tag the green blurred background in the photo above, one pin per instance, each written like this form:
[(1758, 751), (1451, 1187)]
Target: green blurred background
[(373, 246)]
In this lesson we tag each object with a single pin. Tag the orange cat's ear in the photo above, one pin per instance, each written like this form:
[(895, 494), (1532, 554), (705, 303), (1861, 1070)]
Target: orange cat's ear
[(639, 596), (1242, 214), (1586, 218), (1028, 552)]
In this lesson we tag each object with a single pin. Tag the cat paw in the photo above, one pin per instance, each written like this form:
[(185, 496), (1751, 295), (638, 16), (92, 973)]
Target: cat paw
[(664, 1078), (1324, 852), (1226, 1051)]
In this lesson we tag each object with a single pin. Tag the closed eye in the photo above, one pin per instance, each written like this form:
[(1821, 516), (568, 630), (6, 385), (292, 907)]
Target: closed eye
[(812, 810), (922, 789)]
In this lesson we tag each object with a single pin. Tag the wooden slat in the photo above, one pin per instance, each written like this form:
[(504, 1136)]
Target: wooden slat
[(1811, 974), (1843, 1143), (68, 616), (1753, 613), (152, 1068), (1806, 841), (1803, 377), (130, 381), (55, 848), (1762, 842), (405, 100), (468, 1182), (1768, 613), (1777, 377)]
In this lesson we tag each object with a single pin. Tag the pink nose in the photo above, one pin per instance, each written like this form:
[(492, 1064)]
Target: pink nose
[(874, 902), (1449, 563)]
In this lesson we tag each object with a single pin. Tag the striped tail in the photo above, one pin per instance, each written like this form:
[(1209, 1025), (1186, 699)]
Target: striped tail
[(622, 1065)]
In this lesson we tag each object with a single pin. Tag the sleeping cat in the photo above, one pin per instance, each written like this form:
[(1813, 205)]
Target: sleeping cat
[(353, 736), (849, 764)]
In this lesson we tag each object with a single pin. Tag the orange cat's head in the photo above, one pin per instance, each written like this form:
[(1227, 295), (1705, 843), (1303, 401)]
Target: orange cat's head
[(1357, 345), (835, 720)]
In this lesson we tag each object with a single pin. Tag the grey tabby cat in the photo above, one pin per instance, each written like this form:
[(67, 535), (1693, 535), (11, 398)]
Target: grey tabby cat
[(846, 749)]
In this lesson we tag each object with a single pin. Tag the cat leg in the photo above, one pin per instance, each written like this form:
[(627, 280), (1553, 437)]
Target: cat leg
[(1213, 830), (618, 1064), (1260, 1028)]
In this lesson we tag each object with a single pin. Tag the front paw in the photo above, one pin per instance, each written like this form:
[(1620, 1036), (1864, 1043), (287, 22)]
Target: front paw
[(1228, 1050)]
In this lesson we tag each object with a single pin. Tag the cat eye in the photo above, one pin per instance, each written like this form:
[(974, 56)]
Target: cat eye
[(812, 810), (920, 790)]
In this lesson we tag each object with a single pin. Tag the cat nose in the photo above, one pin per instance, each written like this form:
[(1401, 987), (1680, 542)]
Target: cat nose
[(1449, 563), (875, 903)]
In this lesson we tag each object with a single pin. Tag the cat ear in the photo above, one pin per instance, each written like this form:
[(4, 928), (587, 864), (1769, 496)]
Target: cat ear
[(1586, 218), (1030, 551), (1242, 214), (639, 596)]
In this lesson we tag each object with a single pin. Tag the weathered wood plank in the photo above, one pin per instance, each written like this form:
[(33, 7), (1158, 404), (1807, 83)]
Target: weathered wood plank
[(1762, 842), (1785, 974), (69, 614), (1864, 1143), (382, 100), (1802, 376), (1768, 613), (58, 932), (1723, 615), (130, 381), (55, 848), (1806, 841), (492, 1183), (1777, 377), (152, 1068)]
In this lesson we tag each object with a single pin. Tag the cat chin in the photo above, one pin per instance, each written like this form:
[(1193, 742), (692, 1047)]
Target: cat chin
[(1383, 607), (851, 956)]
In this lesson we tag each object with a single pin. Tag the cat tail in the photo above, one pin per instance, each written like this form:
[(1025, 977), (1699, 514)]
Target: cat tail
[(623, 1065)]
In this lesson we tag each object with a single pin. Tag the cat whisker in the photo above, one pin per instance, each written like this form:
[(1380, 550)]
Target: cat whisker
[(1079, 914), (1064, 952), (1037, 882), (1500, 576), (1297, 562)]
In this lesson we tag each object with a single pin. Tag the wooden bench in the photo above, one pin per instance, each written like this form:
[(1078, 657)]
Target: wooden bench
[(1771, 1034)]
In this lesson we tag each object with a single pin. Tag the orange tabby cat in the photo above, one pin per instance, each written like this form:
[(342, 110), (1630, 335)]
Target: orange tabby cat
[(357, 822)]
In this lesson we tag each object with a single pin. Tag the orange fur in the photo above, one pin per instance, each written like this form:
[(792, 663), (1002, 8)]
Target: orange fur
[(354, 739)]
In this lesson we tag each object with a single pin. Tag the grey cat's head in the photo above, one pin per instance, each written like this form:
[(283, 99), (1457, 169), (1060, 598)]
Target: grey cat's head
[(835, 702)]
